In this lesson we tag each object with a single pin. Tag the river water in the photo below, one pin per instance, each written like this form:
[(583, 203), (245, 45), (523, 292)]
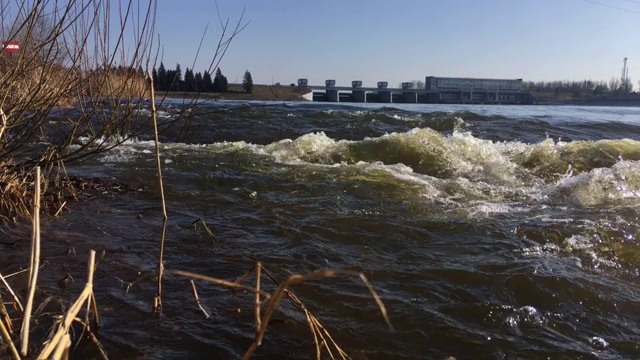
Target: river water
[(489, 232)]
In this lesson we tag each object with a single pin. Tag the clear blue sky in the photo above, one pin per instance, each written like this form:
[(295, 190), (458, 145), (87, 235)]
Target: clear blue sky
[(395, 41)]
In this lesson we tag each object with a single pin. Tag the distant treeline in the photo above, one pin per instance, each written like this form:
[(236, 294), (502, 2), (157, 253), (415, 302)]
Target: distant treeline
[(614, 86), (172, 80)]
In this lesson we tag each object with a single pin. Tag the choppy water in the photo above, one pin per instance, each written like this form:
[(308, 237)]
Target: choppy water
[(490, 232)]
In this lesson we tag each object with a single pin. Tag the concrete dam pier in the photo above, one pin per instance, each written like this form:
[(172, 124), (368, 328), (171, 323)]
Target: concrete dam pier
[(437, 90)]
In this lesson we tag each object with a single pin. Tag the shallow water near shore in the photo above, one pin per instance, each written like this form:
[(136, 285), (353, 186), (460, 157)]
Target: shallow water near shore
[(490, 232)]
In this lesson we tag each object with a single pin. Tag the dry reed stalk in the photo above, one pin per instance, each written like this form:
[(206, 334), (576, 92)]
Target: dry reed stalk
[(316, 275), (33, 270), (295, 279), (315, 336), (7, 339), (315, 326), (318, 331), (60, 209), (157, 303), (4, 314), (3, 123), (94, 309), (257, 304), (62, 350), (16, 301), (195, 295), (65, 324)]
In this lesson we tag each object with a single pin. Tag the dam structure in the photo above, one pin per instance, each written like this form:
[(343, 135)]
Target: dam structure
[(437, 90)]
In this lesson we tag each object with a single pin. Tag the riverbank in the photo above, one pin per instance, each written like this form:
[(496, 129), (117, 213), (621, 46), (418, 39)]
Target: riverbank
[(545, 98), (593, 102), (260, 93)]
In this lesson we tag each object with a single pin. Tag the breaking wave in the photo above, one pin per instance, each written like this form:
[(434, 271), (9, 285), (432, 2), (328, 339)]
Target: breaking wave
[(580, 173)]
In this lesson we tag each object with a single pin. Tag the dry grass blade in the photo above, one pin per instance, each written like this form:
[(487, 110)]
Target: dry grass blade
[(195, 295), (374, 293), (219, 282), (207, 229), (33, 270), (65, 324)]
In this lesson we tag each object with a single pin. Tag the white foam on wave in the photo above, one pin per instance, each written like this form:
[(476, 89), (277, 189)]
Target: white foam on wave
[(482, 175), (486, 209), (617, 185), (581, 248)]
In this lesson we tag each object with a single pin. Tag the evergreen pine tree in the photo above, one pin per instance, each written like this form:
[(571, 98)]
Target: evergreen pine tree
[(177, 80), (247, 82), (220, 83), (154, 75), (207, 83), (225, 84), (189, 81), (199, 82), (162, 78), (171, 75)]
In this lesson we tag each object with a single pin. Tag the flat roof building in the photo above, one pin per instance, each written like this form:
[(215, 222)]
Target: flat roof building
[(472, 84)]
